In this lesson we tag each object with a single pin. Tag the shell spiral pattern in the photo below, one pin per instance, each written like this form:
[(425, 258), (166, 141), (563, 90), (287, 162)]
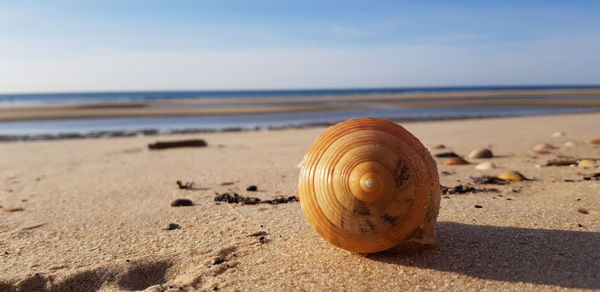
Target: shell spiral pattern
[(367, 184)]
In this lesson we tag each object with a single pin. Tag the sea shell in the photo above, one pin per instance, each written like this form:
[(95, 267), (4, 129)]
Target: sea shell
[(558, 134), (594, 141), (485, 165), (543, 147), (367, 185), (513, 176), (587, 163), (455, 161), (569, 144), (481, 153)]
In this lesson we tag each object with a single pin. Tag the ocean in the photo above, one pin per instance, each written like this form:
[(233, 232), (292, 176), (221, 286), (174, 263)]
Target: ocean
[(125, 96)]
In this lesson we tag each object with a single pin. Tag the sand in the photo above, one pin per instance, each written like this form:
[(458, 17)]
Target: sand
[(94, 213)]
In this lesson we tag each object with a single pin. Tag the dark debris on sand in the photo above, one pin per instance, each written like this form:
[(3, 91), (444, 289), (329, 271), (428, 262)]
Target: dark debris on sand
[(466, 189), (260, 233), (218, 261), (182, 203), (252, 188), (185, 186), (583, 211), (190, 186), (561, 162), (234, 198), (593, 176), (488, 180)]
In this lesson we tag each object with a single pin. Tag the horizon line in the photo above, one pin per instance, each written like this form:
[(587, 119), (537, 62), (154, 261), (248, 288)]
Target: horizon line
[(315, 89)]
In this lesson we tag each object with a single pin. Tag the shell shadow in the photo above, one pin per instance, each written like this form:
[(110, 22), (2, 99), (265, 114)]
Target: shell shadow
[(539, 256)]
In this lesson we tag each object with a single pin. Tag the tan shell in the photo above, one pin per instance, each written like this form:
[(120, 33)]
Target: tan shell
[(485, 165), (587, 163), (455, 161), (513, 176), (543, 147), (367, 184), (481, 153)]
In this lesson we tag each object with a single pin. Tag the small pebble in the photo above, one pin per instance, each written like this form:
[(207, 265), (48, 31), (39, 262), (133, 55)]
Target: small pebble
[(172, 226), (182, 203), (262, 239), (580, 225), (558, 134), (544, 147), (439, 146), (569, 144), (252, 188), (478, 206)]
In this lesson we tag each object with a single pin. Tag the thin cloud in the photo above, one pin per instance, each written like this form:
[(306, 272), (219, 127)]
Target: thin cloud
[(341, 32)]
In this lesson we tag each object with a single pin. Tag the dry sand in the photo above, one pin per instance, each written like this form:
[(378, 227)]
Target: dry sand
[(93, 214)]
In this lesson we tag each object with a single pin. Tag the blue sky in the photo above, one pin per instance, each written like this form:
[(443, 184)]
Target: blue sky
[(170, 45)]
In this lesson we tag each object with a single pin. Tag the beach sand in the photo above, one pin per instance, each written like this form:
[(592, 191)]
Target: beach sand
[(94, 212)]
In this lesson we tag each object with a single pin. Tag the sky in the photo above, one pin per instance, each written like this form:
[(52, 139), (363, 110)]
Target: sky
[(70, 46)]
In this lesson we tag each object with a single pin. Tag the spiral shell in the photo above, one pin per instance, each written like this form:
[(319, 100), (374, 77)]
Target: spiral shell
[(367, 184)]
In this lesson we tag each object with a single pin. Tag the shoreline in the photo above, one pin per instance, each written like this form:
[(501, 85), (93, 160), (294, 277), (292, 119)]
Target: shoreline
[(236, 106), (142, 132)]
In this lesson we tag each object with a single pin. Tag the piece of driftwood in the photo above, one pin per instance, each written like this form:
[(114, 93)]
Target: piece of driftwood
[(177, 144)]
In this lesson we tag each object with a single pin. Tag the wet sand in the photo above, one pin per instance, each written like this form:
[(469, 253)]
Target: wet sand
[(87, 215), (191, 107)]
